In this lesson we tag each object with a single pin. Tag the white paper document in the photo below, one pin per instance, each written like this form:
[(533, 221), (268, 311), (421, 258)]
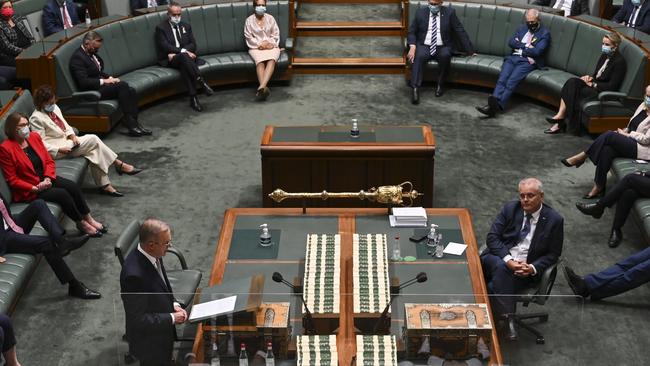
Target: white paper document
[(455, 248), (212, 308), (394, 222)]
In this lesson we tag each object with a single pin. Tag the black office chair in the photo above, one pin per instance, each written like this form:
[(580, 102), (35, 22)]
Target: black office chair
[(538, 294), (184, 281)]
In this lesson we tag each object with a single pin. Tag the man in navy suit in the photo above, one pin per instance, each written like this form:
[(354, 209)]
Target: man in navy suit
[(634, 14), (430, 36), (524, 240), (58, 15), (151, 311), (140, 4), (529, 45), (177, 49)]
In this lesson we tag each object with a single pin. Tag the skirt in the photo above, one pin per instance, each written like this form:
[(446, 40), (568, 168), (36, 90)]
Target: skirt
[(264, 55)]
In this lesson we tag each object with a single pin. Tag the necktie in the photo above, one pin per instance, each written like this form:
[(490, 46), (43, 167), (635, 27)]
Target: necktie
[(67, 23), (526, 229), (96, 61), (434, 35), (57, 120), (159, 269), (7, 217), (631, 21), (177, 36)]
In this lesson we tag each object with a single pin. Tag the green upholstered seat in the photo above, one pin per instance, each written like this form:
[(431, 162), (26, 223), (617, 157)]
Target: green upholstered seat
[(14, 274)]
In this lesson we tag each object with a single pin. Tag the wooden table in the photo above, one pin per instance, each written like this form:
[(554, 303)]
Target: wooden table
[(459, 278), (313, 159)]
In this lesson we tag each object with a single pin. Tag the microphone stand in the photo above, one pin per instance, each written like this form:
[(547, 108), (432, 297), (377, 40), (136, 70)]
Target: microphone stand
[(307, 320), (382, 325)]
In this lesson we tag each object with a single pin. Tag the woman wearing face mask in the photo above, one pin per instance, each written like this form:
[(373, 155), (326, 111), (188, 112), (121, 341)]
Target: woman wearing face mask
[(14, 38), (631, 142), (31, 174), (61, 142), (263, 38), (608, 75)]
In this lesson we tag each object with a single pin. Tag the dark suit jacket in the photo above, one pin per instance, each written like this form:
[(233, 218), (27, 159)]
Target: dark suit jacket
[(577, 7), (52, 19), (540, 42), (84, 70), (613, 75), (449, 26), (139, 4), (148, 301), (166, 44), (642, 20), (546, 244)]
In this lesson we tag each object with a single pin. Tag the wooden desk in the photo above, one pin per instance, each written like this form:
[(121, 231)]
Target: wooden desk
[(459, 278), (313, 159)]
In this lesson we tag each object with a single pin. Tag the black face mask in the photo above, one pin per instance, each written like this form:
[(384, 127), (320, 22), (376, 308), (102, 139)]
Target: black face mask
[(60, 2), (532, 26)]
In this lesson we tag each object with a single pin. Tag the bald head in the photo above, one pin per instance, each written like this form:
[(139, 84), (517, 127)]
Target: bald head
[(532, 15)]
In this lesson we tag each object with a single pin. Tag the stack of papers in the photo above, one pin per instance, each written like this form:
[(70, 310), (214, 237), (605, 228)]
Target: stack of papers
[(408, 216)]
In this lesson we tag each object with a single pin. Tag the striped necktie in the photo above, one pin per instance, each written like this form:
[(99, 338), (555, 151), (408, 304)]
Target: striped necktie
[(434, 35), (526, 229)]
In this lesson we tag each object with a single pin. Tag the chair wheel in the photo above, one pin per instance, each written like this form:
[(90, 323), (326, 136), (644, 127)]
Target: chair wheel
[(129, 358), (540, 340)]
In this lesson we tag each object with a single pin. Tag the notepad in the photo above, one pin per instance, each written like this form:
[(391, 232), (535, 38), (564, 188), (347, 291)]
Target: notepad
[(213, 308), (455, 248), (408, 216)]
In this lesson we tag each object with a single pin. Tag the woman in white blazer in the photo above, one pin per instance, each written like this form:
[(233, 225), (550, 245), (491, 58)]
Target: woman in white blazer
[(632, 142), (61, 142)]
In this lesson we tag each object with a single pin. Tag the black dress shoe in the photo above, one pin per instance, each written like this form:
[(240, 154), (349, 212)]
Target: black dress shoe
[(553, 121), (134, 132), (592, 209), (415, 96), (69, 244), (194, 103), (566, 163), (615, 238), (494, 103), (144, 131), (591, 197), (80, 290), (439, 90), (577, 283), (104, 229), (206, 88), (115, 193), (486, 110)]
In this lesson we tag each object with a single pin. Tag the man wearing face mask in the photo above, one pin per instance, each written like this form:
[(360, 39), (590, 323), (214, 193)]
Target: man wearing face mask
[(176, 49), (430, 36), (634, 14), (87, 69), (59, 15), (141, 4), (529, 45)]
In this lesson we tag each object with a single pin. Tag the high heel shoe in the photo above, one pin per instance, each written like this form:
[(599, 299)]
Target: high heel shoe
[(104, 229), (597, 195), (553, 121), (566, 163), (119, 170), (115, 193), (561, 129)]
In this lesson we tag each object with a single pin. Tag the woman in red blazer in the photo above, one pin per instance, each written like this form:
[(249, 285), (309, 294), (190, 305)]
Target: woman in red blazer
[(31, 174)]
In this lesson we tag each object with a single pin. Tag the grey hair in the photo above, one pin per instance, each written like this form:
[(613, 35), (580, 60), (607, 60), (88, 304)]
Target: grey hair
[(532, 180), (533, 12), (150, 228), (91, 36)]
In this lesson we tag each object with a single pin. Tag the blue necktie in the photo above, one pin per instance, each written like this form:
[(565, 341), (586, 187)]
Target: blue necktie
[(526, 229), (434, 34)]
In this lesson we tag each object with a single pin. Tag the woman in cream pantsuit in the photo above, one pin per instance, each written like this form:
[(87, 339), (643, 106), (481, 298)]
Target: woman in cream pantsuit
[(61, 141), (263, 38)]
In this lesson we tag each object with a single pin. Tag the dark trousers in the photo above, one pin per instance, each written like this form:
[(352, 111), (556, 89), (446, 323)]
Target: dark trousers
[(574, 92), (605, 149), (68, 195), (188, 69), (7, 336), (33, 244), (502, 284), (513, 71), (7, 77), (625, 275), (624, 193), (422, 55), (125, 96)]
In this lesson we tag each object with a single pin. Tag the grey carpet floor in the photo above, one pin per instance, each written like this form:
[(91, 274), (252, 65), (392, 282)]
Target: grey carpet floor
[(349, 12), (349, 47), (199, 164)]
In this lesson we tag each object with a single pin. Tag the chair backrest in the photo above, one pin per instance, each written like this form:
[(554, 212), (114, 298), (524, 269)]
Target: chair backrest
[(127, 241), (23, 104), (32, 10)]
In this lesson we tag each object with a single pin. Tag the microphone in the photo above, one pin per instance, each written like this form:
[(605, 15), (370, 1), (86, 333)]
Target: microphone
[(383, 324), (41, 37), (308, 320)]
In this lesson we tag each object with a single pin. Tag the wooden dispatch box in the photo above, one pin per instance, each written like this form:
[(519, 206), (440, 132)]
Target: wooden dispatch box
[(453, 329)]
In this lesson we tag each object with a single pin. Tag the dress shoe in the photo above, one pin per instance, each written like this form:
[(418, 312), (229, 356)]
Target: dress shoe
[(615, 238), (439, 90), (577, 283), (134, 132), (68, 244), (206, 88), (592, 209), (494, 103), (593, 196), (104, 229), (115, 193), (561, 128), (144, 131), (120, 171), (566, 163), (553, 121), (415, 96), (194, 103), (265, 93), (78, 289), (486, 110)]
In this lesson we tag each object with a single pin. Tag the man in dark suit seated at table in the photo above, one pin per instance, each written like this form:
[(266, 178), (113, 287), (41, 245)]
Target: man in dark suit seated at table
[(524, 240), (176, 49), (529, 45), (59, 15), (15, 237), (430, 36), (634, 14), (141, 4), (87, 69), (151, 312)]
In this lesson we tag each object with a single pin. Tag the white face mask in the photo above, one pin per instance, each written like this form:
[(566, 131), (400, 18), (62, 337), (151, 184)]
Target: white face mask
[(24, 132), (260, 10), (175, 20), (49, 108)]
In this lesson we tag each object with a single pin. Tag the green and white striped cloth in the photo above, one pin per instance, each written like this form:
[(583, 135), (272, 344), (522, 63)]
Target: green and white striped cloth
[(376, 350), (370, 273), (322, 280), (319, 350)]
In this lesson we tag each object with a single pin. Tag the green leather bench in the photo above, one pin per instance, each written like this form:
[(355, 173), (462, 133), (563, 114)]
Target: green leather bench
[(641, 211), (16, 271), (129, 52), (574, 51)]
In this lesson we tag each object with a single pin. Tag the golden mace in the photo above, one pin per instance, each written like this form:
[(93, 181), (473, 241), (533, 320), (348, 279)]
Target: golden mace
[(391, 195)]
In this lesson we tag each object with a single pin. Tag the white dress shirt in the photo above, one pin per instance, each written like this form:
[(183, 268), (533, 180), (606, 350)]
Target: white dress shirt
[(152, 3), (427, 40), (176, 40), (564, 5), (635, 14), (154, 263), (65, 15), (519, 252)]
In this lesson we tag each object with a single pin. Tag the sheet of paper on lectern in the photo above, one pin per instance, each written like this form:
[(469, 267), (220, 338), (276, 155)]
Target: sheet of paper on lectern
[(213, 308), (455, 248), (408, 217)]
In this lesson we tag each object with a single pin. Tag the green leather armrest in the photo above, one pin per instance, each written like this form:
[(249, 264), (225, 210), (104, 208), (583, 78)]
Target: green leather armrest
[(178, 255), (288, 44), (611, 95), (84, 96)]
